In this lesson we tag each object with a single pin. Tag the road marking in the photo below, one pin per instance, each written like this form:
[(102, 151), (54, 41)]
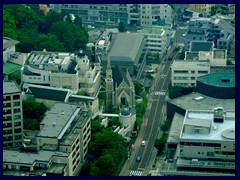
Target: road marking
[(135, 173), (161, 93)]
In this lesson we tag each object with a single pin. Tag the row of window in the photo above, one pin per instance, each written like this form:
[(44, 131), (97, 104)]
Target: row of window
[(200, 144), (186, 72)]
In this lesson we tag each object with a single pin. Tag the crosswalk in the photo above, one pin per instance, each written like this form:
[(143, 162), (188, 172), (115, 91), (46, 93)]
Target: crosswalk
[(135, 173), (160, 93)]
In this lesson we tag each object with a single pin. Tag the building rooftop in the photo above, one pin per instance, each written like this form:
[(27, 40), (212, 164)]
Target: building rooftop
[(10, 87), (182, 64), (125, 45), (176, 127), (205, 118), (58, 120), (51, 61), (17, 157), (8, 42), (46, 92), (201, 46), (200, 101), (219, 79), (9, 68), (154, 30), (219, 54)]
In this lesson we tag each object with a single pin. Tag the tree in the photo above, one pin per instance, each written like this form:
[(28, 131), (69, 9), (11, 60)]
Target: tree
[(33, 109), (103, 166), (64, 33), (138, 88), (160, 143), (114, 122), (9, 28), (48, 42), (166, 126), (121, 27), (80, 37), (213, 10), (96, 127)]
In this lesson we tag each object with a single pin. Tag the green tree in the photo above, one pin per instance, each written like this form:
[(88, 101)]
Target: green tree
[(65, 34), (166, 126), (114, 122), (26, 37), (80, 37), (160, 143), (103, 166), (138, 88), (96, 127), (33, 109), (24, 16), (213, 10), (48, 42), (121, 27), (9, 25)]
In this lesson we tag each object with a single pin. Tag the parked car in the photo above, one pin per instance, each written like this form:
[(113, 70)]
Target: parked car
[(139, 158)]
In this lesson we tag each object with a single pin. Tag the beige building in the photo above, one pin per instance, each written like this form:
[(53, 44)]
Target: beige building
[(62, 70), (12, 115), (62, 144), (205, 9), (206, 144)]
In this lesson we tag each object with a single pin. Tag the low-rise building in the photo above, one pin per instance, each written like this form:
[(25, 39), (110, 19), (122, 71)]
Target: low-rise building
[(62, 70), (206, 144), (185, 73)]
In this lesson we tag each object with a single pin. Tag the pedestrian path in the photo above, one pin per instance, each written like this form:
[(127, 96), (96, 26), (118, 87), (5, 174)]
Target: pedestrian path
[(135, 173)]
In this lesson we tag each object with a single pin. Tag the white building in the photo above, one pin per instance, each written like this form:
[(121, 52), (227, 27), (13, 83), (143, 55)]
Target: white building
[(62, 145), (156, 40), (62, 70), (185, 73), (206, 144)]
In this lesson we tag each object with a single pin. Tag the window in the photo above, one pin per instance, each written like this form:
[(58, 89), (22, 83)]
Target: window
[(16, 97), (17, 110), (16, 104)]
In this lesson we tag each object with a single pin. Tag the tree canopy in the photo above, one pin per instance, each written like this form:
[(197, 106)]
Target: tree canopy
[(37, 31)]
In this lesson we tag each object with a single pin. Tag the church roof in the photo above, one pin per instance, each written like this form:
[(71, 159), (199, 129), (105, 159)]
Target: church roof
[(119, 75)]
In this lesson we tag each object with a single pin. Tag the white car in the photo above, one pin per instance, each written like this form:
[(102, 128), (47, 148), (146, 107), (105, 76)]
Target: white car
[(143, 143), (184, 35)]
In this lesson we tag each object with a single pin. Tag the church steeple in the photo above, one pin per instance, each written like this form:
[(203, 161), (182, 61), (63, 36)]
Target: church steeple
[(108, 70), (109, 87)]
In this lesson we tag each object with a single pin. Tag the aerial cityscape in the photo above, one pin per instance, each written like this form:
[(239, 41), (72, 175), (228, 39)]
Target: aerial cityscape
[(119, 89)]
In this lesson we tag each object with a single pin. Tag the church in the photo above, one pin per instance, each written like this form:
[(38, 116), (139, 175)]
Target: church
[(120, 92)]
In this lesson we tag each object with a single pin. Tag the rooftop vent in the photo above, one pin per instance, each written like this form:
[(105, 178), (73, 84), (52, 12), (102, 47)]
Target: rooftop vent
[(54, 123), (62, 112)]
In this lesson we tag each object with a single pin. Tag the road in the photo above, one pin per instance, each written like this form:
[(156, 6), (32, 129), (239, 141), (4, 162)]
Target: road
[(154, 117)]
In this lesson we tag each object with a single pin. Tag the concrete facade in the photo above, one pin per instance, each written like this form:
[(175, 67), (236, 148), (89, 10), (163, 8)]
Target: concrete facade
[(12, 115)]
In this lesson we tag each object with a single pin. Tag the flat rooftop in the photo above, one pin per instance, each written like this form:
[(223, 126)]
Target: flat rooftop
[(200, 101), (218, 131), (219, 79), (154, 30), (17, 157), (10, 87), (57, 120), (176, 127)]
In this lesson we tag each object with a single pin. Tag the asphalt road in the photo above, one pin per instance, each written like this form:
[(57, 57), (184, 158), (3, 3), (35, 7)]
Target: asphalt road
[(155, 116)]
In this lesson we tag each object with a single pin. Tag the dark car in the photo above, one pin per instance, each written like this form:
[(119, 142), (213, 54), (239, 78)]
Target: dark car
[(170, 58), (139, 158)]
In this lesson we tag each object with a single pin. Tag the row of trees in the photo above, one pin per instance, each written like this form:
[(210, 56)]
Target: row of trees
[(141, 107), (177, 91), (106, 149), (36, 31)]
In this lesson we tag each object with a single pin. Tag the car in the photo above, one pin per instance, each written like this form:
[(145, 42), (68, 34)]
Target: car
[(143, 143), (184, 35), (170, 58), (139, 158)]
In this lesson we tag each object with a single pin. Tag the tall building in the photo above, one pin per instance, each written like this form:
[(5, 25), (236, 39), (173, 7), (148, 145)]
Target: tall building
[(112, 14), (62, 145), (12, 115)]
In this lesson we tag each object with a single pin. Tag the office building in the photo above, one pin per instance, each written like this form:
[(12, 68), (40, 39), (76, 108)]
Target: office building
[(62, 145), (12, 115), (206, 144)]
